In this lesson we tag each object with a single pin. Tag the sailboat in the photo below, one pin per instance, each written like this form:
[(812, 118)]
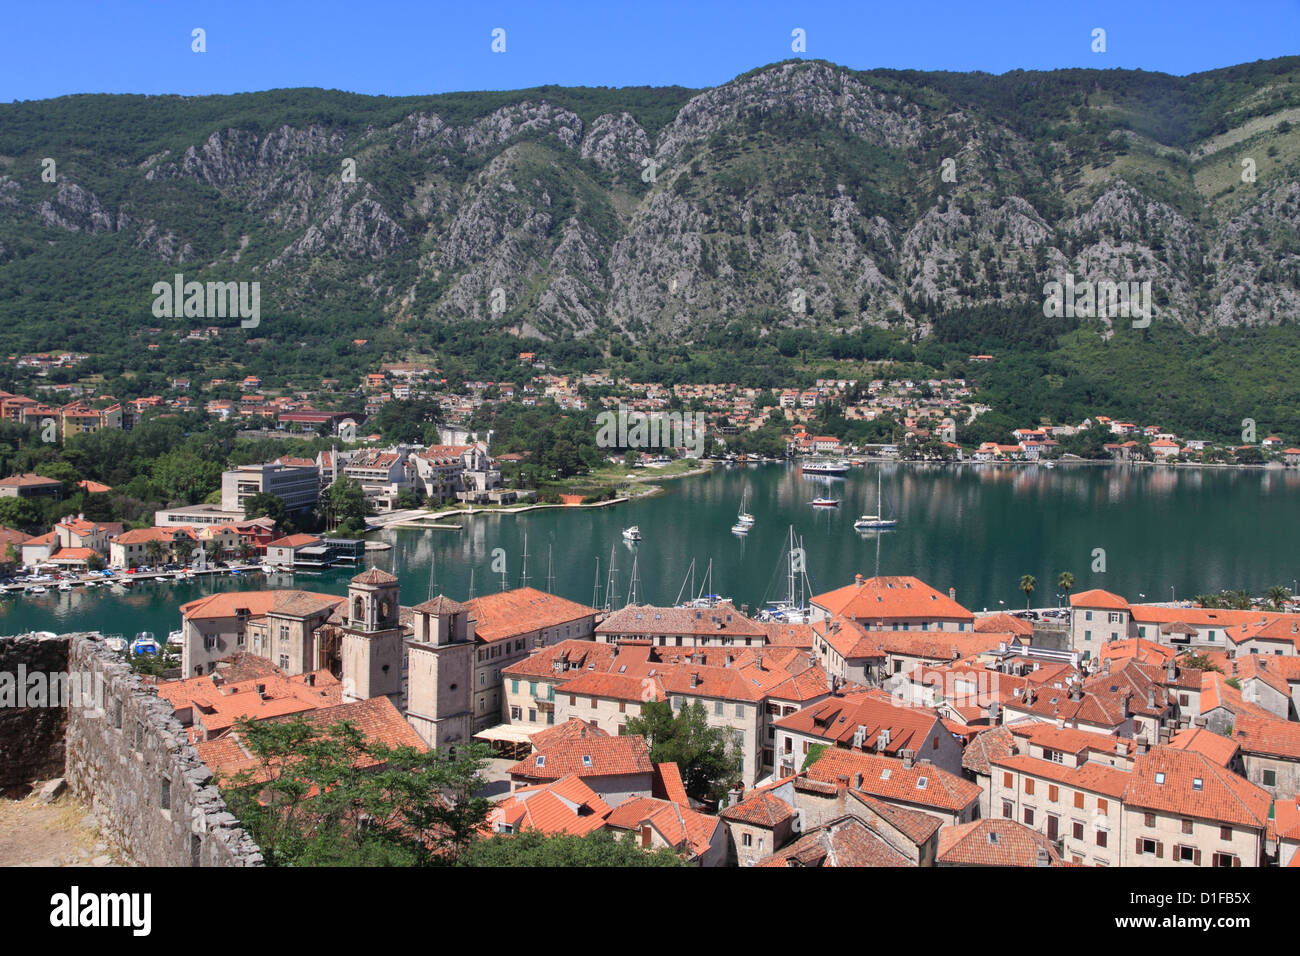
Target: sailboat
[(744, 520), (794, 609), (632, 534), (877, 520)]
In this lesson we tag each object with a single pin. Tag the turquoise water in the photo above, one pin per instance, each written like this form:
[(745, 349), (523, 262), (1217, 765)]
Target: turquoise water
[(976, 528)]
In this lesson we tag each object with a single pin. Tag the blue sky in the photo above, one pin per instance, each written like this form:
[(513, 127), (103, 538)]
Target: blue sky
[(400, 48)]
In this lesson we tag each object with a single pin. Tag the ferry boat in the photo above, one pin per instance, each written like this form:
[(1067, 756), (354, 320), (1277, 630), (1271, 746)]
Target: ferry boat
[(632, 534), (877, 520), (827, 467), (825, 502)]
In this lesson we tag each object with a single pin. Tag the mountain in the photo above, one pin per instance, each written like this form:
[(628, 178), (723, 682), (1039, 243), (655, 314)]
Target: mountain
[(530, 212)]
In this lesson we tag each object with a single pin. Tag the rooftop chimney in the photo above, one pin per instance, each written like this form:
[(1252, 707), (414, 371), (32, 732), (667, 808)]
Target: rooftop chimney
[(858, 579), (311, 680), (857, 781), (1151, 698), (1105, 666), (1042, 857), (1141, 745), (908, 756), (695, 680), (1171, 670)]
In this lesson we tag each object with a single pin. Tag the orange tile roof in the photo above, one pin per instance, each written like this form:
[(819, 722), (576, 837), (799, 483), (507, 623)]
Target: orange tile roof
[(668, 783), (1266, 736), (994, 842), (1165, 780), (509, 614), (571, 729), (565, 806), (844, 842), (1003, 622), (593, 757), (680, 826), (643, 619), (1092, 777), (763, 809), (886, 598), (256, 603), (887, 779), (1216, 747), (837, 719), (1099, 599)]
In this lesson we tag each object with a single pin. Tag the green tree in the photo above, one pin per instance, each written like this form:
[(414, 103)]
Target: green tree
[(154, 552), (1027, 584), (266, 505), (1065, 582), (320, 796), (345, 504), (709, 761), (599, 848), (1277, 596)]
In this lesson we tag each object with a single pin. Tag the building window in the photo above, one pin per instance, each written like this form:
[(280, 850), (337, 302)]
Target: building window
[(1187, 826), (1102, 806), (747, 840), (805, 747), (1225, 833), (1076, 830), (1148, 819), (1225, 859), (1269, 778), (717, 708), (1029, 816), (1053, 792), (514, 687), (1078, 800), (1101, 838), (740, 710), (1007, 809), (1006, 780), (1150, 848), (1185, 854)]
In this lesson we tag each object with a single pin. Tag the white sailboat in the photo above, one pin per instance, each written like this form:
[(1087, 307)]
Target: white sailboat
[(877, 520), (794, 609)]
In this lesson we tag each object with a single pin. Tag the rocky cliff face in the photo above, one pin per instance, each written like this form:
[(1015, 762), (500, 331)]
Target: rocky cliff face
[(869, 199)]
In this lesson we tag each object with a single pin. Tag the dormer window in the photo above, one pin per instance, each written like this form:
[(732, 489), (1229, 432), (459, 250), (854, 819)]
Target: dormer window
[(586, 760), (921, 782), (1160, 778), (1198, 783), (541, 760)]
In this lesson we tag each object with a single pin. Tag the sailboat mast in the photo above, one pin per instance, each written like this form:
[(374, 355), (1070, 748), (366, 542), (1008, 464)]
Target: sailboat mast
[(471, 584), (523, 575), (595, 586), (550, 575)]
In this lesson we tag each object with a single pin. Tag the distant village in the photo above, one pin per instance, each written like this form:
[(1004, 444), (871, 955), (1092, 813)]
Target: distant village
[(924, 415)]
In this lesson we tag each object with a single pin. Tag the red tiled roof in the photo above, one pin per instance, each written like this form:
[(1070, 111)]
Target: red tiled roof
[(887, 779), (1165, 780), (508, 614), (847, 841), (994, 842), (891, 597), (594, 757), (763, 809)]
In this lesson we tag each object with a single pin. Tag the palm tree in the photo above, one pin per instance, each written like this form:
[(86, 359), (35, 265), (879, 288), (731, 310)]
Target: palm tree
[(153, 551), (213, 550), (1277, 596), (1065, 582), (1027, 584), (1206, 601)]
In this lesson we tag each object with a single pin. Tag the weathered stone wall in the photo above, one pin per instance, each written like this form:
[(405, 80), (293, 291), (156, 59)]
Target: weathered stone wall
[(130, 759), (31, 738)]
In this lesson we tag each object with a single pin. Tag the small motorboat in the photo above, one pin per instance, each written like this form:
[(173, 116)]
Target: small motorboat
[(115, 644), (65, 586), (825, 502), (175, 637), (632, 534), (37, 590), (740, 528), (144, 643)]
